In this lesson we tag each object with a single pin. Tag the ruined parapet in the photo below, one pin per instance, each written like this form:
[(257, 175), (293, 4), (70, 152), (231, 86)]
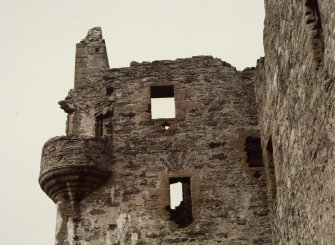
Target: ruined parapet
[(91, 57), (73, 167)]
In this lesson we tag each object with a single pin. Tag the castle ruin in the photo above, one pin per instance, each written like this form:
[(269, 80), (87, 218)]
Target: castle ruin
[(253, 150)]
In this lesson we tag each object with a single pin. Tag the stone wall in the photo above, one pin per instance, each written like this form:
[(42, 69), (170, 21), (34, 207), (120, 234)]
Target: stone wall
[(295, 95), (204, 144)]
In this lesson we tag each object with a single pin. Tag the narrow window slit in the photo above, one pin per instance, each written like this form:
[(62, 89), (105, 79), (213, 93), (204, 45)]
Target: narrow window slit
[(99, 127), (272, 183)]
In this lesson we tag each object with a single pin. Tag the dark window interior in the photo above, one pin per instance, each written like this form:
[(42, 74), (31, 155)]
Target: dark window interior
[(253, 149), (99, 127), (162, 104), (162, 91), (272, 185)]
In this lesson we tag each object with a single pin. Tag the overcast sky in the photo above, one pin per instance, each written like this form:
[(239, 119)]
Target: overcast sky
[(37, 50)]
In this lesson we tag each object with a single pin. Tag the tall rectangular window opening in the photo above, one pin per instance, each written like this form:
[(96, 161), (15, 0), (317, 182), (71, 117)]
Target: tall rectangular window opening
[(180, 207), (254, 154), (162, 102), (254, 151)]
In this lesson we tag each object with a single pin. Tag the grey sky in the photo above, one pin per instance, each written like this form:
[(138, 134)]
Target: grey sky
[(37, 50)]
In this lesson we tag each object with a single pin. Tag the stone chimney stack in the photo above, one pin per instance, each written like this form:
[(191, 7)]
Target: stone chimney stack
[(91, 57)]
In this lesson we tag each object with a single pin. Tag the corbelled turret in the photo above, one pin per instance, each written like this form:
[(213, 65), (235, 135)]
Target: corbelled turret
[(73, 166)]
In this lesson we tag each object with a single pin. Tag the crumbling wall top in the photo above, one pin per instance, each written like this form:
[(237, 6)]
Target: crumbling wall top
[(94, 34)]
